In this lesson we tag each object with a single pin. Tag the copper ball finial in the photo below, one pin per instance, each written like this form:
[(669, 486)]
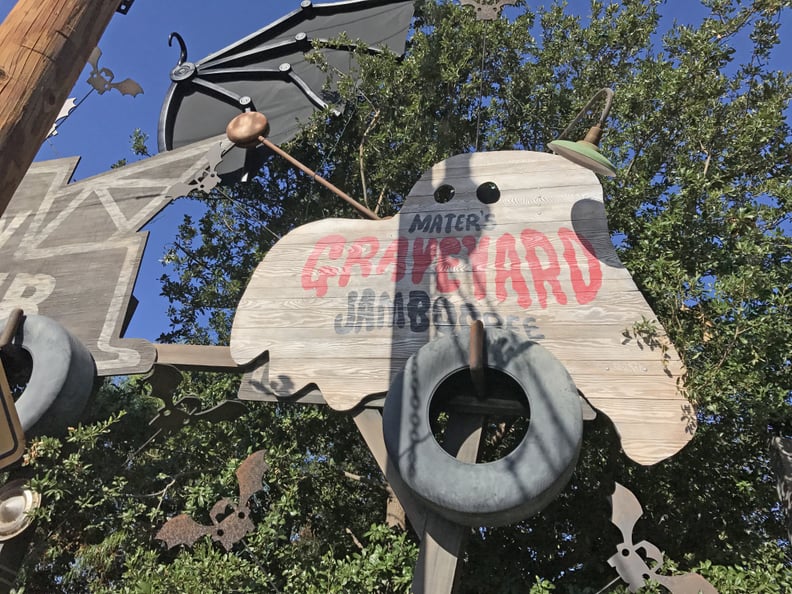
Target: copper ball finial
[(244, 130)]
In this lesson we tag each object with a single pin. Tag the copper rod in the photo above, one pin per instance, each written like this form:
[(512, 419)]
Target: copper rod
[(338, 192)]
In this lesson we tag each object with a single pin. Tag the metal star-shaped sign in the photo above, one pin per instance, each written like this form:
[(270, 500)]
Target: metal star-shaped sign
[(72, 251)]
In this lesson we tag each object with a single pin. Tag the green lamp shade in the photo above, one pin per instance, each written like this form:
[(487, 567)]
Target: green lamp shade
[(584, 154)]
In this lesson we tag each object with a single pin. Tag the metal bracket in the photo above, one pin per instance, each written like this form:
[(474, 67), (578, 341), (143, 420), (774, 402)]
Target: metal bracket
[(125, 5)]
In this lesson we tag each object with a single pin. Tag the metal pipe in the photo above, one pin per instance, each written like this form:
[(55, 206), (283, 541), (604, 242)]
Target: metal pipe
[(603, 116)]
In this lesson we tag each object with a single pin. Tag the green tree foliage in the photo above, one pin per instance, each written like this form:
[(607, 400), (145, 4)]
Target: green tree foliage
[(137, 142), (699, 213), (318, 515)]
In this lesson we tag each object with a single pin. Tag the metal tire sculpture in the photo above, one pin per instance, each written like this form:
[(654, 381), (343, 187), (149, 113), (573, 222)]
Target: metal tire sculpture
[(61, 381), (494, 493)]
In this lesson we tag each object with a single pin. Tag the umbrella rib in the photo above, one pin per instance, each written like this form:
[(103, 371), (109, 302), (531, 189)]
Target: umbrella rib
[(224, 93), (302, 85), (264, 73), (287, 46), (267, 73)]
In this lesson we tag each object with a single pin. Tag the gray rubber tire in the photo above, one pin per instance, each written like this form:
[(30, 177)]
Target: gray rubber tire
[(61, 381), (493, 493)]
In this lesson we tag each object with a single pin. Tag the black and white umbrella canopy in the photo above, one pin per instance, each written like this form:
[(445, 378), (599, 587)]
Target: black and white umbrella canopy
[(268, 72)]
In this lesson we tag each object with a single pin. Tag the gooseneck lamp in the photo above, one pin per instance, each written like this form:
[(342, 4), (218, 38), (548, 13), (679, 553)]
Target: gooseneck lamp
[(586, 152)]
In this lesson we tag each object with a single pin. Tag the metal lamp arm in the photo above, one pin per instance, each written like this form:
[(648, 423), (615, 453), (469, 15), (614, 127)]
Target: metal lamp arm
[(603, 116)]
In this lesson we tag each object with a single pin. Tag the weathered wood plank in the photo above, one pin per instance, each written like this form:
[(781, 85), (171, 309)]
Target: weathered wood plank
[(583, 354), (369, 423), (443, 542), (192, 357), (620, 308), (459, 223)]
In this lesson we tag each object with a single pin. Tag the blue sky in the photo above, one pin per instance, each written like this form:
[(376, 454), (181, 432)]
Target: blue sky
[(136, 46)]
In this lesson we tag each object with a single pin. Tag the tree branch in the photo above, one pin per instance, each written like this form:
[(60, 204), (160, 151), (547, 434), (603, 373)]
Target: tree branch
[(360, 156)]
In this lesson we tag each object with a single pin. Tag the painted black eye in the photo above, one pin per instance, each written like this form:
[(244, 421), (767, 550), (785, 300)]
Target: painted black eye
[(488, 193), (444, 193)]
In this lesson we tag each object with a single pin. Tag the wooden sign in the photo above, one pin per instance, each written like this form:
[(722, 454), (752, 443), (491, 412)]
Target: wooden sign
[(72, 251), (12, 437), (523, 244)]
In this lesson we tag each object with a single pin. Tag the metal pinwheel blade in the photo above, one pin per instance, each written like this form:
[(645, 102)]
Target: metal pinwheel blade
[(268, 71)]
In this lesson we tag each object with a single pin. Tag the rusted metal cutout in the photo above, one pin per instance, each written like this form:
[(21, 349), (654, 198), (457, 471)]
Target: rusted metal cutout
[(230, 521), (631, 565), (781, 456)]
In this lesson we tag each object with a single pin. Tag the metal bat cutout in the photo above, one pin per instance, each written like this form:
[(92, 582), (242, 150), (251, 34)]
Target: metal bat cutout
[(101, 79), (206, 179), (164, 380), (64, 112), (230, 521), (630, 564), (268, 71), (487, 10)]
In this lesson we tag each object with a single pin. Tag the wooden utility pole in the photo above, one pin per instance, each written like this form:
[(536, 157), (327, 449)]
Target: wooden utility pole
[(44, 45)]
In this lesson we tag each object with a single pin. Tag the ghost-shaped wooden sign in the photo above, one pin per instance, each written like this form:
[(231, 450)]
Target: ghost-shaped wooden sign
[(516, 239)]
